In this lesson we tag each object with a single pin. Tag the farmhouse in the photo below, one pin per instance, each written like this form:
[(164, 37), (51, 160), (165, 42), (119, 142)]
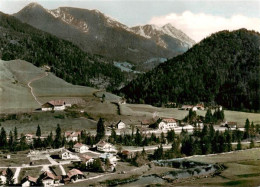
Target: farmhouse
[(120, 125), (54, 105), (72, 135), (49, 179), (105, 147), (167, 123), (75, 174), (64, 154), (29, 181), (80, 148)]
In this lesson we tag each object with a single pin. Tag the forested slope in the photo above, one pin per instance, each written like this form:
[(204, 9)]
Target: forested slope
[(222, 69), (67, 61)]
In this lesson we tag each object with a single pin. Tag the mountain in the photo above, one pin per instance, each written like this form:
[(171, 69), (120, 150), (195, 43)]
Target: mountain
[(222, 69), (97, 33), (167, 37), (67, 61)]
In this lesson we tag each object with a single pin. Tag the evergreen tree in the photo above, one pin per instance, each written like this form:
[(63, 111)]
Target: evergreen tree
[(138, 138), (11, 140), (162, 138), (100, 130), (58, 139), (239, 145), (3, 139), (23, 143), (252, 130), (9, 177), (158, 153), (170, 136), (38, 131), (247, 129), (228, 141), (208, 116), (15, 134)]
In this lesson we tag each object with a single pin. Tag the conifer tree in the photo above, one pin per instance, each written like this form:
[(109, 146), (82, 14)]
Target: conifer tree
[(38, 131), (247, 129), (3, 139), (100, 130)]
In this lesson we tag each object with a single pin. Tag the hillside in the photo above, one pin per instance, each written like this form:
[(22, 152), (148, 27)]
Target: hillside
[(22, 41), (222, 69), (97, 33)]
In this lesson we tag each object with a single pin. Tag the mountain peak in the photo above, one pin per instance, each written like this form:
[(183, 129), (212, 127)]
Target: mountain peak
[(34, 5)]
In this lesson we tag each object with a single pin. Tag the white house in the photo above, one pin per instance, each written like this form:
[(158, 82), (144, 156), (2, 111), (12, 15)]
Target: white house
[(64, 154), (29, 181), (105, 147), (120, 125), (72, 135), (54, 105), (167, 123), (49, 179), (29, 137), (3, 176), (80, 148), (87, 159)]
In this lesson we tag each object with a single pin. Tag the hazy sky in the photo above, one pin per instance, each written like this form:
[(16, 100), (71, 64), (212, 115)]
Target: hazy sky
[(196, 18)]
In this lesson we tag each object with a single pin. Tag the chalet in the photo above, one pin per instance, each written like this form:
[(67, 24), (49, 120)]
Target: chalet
[(64, 154), (127, 154), (3, 176), (167, 123), (75, 175), (54, 105), (105, 147), (80, 148), (49, 179), (72, 135), (29, 181), (86, 159), (120, 125)]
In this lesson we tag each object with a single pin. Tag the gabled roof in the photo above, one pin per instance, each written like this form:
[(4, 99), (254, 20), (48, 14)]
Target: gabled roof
[(64, 151), (29, 178), (48, 175), (79, 145), (74, 172), (85, 157), (57, 102), (169, 120), (102, 143), (72, 133)]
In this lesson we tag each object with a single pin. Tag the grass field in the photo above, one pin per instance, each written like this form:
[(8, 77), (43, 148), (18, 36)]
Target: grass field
[(243, 169), (15, 160), (147, 111)]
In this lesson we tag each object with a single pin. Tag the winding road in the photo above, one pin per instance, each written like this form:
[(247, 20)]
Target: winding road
[(34, 79)]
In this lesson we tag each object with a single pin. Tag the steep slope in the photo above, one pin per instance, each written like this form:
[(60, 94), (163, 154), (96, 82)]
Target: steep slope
[(166, 36), (222, 69), (93, 32), (67, 61)]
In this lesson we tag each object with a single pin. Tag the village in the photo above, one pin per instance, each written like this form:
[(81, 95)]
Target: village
[(81, 156)]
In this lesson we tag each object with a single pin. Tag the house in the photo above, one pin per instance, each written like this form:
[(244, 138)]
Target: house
[(64, 154), (80, 148), (54, 105), (75, 174), (120, 125), (108, 156), (3, 176), (167, 123), (29, 181), (86, 159), (231, 124), (127, 154), (186, 107), (49, 179), (199, 123), (72, 135), (105, 147), (194, 108), (200, 107), (29, 137)]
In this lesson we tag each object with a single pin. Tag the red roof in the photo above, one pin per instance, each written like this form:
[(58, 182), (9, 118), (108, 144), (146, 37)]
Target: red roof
[(169, 120), (48, 174), (72, 133), (32, 179), (79, 145), (101, 143), (3, 172), (57, 102), (73, 172), (125, 152), (86, 157)]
